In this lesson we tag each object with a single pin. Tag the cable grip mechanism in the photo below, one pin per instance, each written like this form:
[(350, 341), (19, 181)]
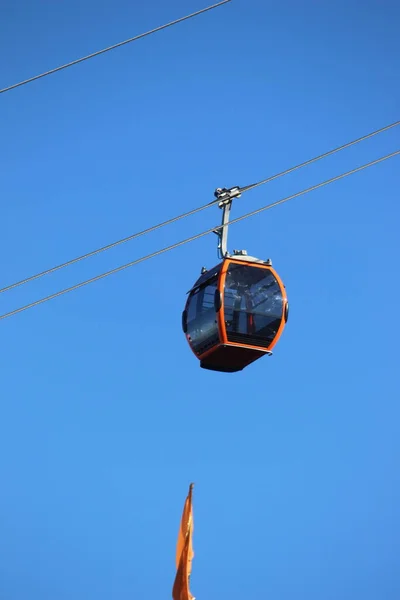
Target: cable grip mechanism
[(226, 195)]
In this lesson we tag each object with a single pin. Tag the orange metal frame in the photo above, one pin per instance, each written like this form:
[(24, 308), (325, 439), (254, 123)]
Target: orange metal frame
[(220, 315)]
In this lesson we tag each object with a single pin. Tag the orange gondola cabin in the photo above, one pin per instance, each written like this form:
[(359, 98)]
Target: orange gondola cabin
[(235, 313)]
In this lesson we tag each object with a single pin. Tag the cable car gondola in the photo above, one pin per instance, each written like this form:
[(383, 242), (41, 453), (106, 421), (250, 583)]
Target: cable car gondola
[(235, 312)]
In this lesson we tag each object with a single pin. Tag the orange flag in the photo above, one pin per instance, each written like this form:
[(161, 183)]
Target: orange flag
[(184, 552)]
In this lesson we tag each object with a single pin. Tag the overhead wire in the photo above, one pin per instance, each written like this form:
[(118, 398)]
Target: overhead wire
[(193, 211), (118, 45), (197, 236), (338, 149)]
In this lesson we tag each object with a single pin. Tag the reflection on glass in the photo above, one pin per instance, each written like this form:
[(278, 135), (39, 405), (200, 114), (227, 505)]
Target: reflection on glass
[(253, 304), (202, 328)]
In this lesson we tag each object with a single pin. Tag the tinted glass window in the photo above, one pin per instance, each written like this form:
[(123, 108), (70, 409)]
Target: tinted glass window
[(207, 275), (253, 302), (202, 326)]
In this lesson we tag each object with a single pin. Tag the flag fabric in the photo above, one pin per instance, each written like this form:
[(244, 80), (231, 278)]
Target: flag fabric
[(184, 552)]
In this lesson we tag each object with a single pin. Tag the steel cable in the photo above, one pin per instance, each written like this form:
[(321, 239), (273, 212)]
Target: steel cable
[(195, 237), (118, 45), (192, 212)]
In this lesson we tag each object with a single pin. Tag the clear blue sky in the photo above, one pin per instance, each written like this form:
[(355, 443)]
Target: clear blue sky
[(105, 414)]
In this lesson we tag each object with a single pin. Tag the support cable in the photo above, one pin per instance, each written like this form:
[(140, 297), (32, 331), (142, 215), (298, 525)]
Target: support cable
[(195, 237), (192, 212), (118, 45)]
